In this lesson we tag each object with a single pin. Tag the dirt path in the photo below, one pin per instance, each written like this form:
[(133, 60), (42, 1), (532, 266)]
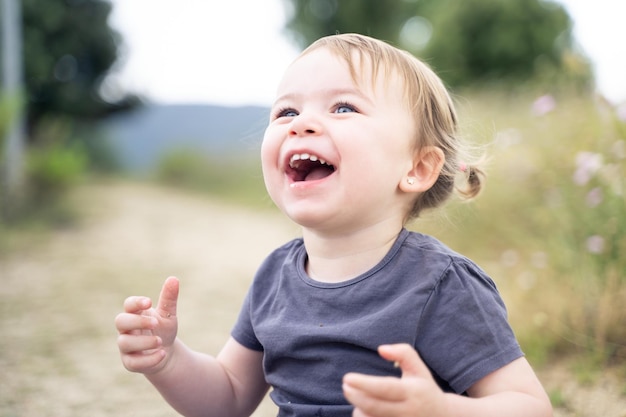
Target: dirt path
[(58, 297), (60, 293)]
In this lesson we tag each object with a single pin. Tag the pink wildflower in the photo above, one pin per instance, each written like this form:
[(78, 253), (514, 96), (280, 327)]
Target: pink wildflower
[(594, 197), (543, 105), (595, 244), (587, 164)]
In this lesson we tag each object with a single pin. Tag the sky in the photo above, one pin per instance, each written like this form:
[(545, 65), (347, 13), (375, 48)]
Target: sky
[(234, 52)]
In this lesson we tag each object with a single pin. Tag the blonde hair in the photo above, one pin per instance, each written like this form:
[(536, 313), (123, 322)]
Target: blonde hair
[(431, 106)]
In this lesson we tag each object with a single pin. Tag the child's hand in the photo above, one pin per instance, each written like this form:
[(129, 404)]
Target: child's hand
[(146, 335), (415, 394)]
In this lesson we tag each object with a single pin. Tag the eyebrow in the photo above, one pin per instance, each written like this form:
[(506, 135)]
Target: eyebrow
[(331, 92)]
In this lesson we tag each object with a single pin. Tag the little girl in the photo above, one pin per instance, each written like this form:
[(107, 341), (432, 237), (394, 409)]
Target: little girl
[(359, 317)]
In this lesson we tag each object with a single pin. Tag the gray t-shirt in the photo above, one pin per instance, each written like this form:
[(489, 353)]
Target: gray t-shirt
[(421, 293)]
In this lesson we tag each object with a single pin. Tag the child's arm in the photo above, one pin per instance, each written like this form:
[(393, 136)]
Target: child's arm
[(511, 391), (196, 384), (193, 383)]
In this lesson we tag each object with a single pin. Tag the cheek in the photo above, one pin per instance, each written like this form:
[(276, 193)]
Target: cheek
[(270, 159), (270, 149)]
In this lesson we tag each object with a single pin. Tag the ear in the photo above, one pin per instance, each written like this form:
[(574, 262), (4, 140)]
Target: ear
[(425, 170)]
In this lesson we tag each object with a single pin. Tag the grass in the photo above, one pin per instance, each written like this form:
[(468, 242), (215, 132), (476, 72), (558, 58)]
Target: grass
[(550, 226), (557, 399)]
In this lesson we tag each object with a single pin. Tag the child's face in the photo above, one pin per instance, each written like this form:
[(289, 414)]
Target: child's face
[(334, 153)]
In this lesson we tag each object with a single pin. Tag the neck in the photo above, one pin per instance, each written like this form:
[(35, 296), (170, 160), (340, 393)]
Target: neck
[(336, 257)]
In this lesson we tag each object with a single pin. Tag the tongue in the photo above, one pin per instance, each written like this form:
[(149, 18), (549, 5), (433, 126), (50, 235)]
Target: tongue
[(319, 173)]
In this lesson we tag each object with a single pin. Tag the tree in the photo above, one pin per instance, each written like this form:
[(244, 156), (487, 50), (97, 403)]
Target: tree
[(311, 19), (69, 49), (498, 39), (466, 41)]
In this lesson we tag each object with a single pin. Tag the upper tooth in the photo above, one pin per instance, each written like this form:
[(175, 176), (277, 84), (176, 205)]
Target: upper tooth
[(304, 156)]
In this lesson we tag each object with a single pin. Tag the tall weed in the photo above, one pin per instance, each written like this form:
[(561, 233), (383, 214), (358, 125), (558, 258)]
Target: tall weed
[(54, 164), (551, 224)]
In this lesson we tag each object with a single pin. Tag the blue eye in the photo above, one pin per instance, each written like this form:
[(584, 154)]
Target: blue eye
[(345, 108), (286, 112)]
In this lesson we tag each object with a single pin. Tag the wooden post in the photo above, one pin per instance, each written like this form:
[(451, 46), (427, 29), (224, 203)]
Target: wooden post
[(12, 89)]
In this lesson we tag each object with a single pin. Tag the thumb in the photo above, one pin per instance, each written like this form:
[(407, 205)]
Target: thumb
[(407, 358), (168, 299)]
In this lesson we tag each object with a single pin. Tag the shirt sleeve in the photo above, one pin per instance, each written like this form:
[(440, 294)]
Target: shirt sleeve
[(243, 331), (464, 334)]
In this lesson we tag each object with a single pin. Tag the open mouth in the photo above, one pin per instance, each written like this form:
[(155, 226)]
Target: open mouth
[(307, 167)]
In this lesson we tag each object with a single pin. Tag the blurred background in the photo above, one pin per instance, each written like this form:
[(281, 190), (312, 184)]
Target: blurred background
[(129, 140)]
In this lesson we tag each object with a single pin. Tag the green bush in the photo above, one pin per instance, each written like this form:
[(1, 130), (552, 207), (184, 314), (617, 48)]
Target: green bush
[(51, 169), (6, 111), (54, 170)]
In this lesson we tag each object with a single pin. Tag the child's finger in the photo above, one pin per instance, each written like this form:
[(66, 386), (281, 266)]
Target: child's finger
[(137, 343), (126, 322), (142, 361), (406, 357), (357, 385), (168, 298), (136, 304)]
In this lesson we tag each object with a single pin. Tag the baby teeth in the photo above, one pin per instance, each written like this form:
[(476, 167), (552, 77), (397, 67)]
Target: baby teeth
[(304, 156)]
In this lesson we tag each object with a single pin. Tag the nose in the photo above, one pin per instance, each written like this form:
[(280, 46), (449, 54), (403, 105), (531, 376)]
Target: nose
[(305, 124)]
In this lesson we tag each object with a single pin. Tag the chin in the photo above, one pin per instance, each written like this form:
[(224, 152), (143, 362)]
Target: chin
[(306, 218)]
